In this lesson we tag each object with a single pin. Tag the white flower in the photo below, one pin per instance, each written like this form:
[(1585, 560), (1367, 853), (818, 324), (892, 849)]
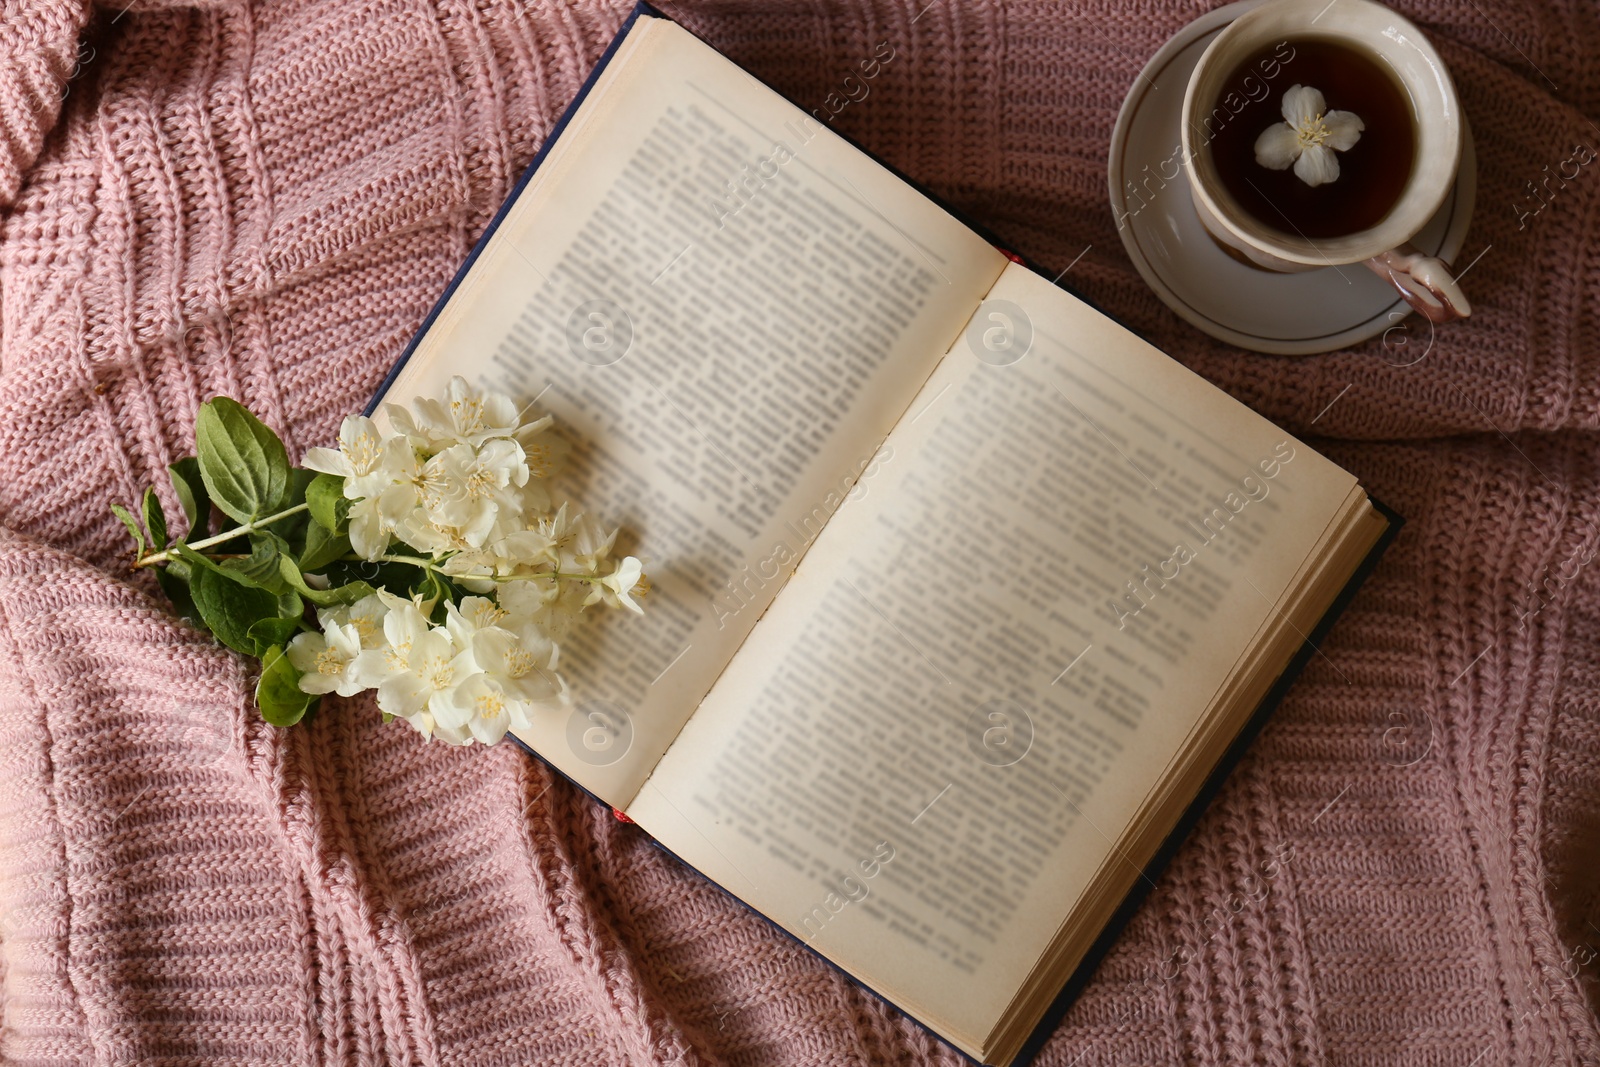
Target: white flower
[(588, 547), (474, 613), (427, 477), (434, 666), (383, 497), (324, 659), (577, 543), (409, 484), (523, 666), (366, 615), (544, 603), (619, 587), (462, 482), (545, 451), (360, 452), (466, 416), (478, 709), (403, 625), (1308, 137), (513, 678), (479, 487), (545, 454)]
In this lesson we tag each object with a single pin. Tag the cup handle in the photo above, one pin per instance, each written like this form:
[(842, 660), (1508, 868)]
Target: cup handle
[(1422, 281)]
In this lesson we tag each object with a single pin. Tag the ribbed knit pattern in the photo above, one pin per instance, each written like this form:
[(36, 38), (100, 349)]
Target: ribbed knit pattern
[(264, 201)]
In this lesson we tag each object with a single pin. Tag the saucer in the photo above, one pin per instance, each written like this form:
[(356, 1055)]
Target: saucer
[(1284, 314)]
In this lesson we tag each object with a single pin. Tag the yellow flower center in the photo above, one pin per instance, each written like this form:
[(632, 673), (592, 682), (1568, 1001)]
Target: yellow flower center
[(519, 661), (487, 614), (396, 656), (436, 673), (479, 483), (329, 661), (364, 452), (366, 627), (1312, 132), (490, 703), (468, 414), (430, 487), (539, 460)]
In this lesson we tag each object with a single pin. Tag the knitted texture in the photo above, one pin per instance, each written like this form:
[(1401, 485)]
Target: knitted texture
[(264, 201)]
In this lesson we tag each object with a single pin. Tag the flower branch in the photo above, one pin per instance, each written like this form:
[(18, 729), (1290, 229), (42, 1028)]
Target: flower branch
[(222, 538), (458, 631)]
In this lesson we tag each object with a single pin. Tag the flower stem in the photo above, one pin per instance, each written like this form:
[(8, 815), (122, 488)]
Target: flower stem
[(432, 565), (415, 561), (541, 574), (223, 537)]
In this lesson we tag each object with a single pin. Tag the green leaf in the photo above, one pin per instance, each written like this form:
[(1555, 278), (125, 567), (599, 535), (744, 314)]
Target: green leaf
[(133, 528), (260, 567), (290, 606), (174, 579), (325, 495), (322, 548), (155, 520), (292, 528), (190, 488), (228, 609), (270, 632), (278, 692), (300, 480), (341, 594), (397, 578), (195, 560), (243, 463)]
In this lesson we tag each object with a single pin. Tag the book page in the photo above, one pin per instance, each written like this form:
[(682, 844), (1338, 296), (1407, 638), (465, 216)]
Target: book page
[(726, 307), (924, 754)]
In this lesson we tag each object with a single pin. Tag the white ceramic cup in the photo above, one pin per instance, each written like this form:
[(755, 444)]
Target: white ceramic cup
[(1423, 281)]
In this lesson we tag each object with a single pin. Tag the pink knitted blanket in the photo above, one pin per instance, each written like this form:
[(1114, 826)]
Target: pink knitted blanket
[(264, 201)]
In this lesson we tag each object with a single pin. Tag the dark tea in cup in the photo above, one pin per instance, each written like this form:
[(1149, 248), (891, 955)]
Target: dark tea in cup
[(1372, 172)]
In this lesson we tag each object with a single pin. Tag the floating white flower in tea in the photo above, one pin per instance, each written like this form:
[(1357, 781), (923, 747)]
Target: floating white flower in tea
[(1308, 137)]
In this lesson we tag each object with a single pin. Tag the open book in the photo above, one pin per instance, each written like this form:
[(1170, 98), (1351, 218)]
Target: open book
[(961, 591)]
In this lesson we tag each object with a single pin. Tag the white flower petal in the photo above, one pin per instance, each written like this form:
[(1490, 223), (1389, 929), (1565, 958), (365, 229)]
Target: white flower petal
[(1344, 129), (403, 695), (343, 638), (459, 389), (616, 588), (361, 442), (372, 667), (499, 414), (450, 736), (1278, 147), (369, 534), (1317, 166), (1301, 104), (422, 722), (366, 616), (404, 626), (328, 461), (304, 650), (491, 648), (491, 730), (318, 684), (453, 707)]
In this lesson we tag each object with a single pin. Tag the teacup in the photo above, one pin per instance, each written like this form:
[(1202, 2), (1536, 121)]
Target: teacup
[(1386, 38)]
